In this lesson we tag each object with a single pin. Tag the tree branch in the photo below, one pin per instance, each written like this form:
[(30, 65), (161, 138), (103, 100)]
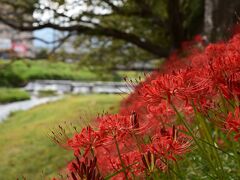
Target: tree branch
[(86, 26), (61, 42), (102, 31), (45, 41)]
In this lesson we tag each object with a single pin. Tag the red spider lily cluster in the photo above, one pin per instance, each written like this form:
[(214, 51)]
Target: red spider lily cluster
[(233, 123), (146, 135)]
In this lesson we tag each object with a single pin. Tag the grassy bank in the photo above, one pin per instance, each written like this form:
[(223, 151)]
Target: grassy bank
[(19, 72), (25, 148), (12, 94)]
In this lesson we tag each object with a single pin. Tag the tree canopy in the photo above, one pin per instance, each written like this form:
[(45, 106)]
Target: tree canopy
[(133, 28)]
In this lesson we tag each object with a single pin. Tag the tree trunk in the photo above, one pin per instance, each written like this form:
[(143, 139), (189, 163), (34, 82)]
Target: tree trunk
[(175, 23), (219, 17)]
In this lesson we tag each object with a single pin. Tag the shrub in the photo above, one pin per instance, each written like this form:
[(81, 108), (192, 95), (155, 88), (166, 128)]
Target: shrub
[(19, 72), (13, 74), (11, 95)]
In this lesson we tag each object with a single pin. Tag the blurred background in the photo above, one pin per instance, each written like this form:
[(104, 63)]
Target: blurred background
[(65, 61)]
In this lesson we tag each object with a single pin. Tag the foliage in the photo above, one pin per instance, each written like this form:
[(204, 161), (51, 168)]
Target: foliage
[(25, 147), (104, 54), (151, 27), (42, 54), (11, 95), (180, 123), (122, 31), (104, 51)]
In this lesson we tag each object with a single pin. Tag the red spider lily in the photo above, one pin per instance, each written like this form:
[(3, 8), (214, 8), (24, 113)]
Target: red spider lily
[(234, 83), (87, 139), (114, 126), (168, 144), (84, 169), (197, 85), (232, 123), (198, 38), (163, 87), (133, 163)]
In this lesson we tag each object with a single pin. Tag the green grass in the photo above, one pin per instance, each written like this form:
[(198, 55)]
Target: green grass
[(46, 93), (19, 72), (12, 94), (25, 147)]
